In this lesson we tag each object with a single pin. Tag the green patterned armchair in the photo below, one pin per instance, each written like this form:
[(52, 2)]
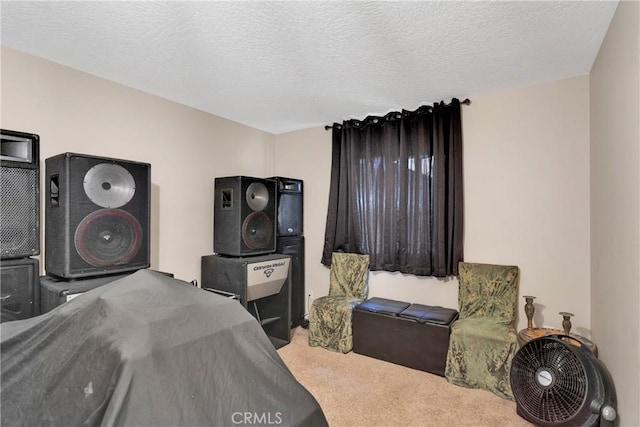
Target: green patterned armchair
[(483, 340), (330, 316)]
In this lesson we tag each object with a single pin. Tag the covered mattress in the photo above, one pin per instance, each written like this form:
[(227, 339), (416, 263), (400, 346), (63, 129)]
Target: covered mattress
[(147, 350)]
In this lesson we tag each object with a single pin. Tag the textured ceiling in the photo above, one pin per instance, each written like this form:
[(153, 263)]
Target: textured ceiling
[(283, 66)]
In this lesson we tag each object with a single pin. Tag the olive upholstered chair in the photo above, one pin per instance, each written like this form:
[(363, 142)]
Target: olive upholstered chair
[(483, 340), (330, 316)]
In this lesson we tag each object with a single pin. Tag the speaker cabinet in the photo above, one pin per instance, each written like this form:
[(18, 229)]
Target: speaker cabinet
[(244, 215), (55, 291), (289, 206), (261, 284), (19, 194), (97, 214), (294, 247), (19, 289)]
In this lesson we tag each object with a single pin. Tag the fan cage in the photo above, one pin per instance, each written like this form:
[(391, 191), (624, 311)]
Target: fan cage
[(559, 401)]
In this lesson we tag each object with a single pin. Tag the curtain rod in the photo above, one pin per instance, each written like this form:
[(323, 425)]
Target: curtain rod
[(467, 101)]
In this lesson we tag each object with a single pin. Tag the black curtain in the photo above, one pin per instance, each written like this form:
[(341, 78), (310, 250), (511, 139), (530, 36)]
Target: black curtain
[(396, 191)]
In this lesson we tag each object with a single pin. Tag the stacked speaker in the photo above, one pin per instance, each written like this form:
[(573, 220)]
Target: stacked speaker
[(97, 223), (244, 215), (248, 222), (290, 240), (97, 216), (19, 224)]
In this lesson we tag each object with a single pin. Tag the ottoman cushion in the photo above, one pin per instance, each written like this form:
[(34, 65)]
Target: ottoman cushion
[(429, 314), (383, 306)]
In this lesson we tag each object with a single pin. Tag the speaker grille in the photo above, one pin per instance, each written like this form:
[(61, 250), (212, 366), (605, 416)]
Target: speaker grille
[(19, 212)]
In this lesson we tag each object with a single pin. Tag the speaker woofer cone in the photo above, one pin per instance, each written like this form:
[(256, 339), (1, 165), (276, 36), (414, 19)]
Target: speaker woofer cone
[(257, 196), (109, 185), (108, 237), (257, 231)]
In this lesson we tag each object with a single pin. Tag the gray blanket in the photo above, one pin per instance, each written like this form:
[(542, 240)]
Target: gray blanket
[(147, 350)]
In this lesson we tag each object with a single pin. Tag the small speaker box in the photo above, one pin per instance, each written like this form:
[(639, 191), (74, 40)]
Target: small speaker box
[(290, 204)]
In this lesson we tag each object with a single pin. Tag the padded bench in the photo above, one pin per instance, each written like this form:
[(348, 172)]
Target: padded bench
[(412, 335)]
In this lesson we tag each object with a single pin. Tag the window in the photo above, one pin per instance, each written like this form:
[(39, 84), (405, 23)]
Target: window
[(396, 191)]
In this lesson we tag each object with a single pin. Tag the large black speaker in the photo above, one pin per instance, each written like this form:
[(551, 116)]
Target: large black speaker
[(294, 247), (97, 215), (290, 219), (19, 288), (244, 215), (19, 194), (261, 284)]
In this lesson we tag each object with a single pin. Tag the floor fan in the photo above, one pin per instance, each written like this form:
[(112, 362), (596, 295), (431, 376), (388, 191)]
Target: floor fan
[(557, 381)]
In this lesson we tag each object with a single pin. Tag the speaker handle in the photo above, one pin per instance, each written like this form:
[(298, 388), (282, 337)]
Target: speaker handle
[(54, 190)]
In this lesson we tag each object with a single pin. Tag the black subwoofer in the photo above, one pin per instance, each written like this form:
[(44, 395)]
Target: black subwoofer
[(294, 247), (20, 289), (19, 194), (97, 215), (244, 216), (260, 283)]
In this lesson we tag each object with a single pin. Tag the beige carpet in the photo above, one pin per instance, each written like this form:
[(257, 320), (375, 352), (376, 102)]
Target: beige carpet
[(355, 390)]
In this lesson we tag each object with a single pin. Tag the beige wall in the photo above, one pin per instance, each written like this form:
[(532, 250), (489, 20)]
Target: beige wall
[(76, 112), (526, 178), (615, 206)]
